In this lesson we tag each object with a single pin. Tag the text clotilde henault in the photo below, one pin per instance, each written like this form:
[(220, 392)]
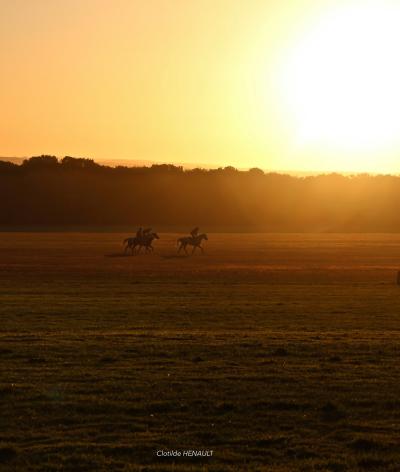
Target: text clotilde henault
[(185, 453)]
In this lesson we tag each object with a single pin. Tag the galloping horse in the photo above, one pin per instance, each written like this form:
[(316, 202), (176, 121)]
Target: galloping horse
[(143, 241), (194, 241), (147, 242)]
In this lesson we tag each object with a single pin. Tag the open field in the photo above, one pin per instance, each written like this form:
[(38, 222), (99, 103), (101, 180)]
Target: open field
[(278, 352)]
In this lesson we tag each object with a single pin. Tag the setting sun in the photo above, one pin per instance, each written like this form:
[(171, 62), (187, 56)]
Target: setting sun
[(294, 85), (341, 83)]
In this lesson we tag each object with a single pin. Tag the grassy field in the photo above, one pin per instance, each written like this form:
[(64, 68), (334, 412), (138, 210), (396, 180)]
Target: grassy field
[(278, 352)]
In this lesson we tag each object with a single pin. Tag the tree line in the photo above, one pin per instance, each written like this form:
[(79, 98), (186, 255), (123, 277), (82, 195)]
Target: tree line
[(46, 191)]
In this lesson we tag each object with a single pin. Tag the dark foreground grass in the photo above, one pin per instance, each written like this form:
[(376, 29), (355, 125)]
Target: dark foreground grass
[(279, 353)]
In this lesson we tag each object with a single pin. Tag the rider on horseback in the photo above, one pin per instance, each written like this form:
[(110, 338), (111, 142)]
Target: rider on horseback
[(143, 238), (194, 240)]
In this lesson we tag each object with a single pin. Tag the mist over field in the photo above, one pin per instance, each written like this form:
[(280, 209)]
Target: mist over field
[(45, 191)]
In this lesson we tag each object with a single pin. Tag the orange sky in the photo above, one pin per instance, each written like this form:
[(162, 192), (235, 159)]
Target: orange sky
[(165, 80)]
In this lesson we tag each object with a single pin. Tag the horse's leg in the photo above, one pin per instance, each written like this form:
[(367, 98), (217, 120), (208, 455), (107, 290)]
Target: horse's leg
[(202, 250), (194, 248), (184, 247), (127, 247)]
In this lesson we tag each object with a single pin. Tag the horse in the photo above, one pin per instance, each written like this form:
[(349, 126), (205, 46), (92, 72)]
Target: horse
[(130, 243), (194, 241), (146, 242), (141, 241)]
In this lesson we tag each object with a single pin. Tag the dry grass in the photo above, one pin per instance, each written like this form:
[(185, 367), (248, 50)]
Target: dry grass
[(279, 352)]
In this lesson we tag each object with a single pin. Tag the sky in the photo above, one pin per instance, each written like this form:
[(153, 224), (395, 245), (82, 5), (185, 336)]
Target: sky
[(296, 85)]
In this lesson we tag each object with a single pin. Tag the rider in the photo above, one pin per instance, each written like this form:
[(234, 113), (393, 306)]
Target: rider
[(139, 233), (195, 232)]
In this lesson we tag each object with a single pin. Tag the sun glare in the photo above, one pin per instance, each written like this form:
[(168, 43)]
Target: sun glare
[(341, 81)]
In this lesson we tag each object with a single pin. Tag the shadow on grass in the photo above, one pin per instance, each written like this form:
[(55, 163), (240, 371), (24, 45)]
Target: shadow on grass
[(118, 254), (7, 453), (175, 256)]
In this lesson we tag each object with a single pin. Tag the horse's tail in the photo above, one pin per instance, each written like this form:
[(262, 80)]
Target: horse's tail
[(125, 241), (178, 241)]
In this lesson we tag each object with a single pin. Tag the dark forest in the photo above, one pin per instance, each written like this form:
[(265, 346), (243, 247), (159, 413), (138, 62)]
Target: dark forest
[(45, 191)]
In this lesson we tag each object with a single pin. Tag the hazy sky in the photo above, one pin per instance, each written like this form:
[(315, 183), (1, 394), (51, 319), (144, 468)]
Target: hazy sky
[(267, 83)]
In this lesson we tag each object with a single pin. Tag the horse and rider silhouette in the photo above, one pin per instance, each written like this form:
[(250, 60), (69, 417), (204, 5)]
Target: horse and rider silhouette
[(145, 237), (195, 239)]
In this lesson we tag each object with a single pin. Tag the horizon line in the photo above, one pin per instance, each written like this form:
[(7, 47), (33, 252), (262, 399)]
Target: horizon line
[(114, 162)]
